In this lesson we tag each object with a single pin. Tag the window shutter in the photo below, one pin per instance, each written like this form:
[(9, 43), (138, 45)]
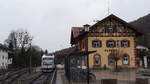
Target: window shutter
[(92, 43), (106, 43), (114, 43), (128, 43)]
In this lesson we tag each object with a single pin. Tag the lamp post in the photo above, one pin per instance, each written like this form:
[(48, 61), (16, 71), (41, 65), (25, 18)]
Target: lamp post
[(86, 29), (87, 69)]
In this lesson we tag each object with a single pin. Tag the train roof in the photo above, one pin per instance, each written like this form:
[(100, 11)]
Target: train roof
[(48, 56)]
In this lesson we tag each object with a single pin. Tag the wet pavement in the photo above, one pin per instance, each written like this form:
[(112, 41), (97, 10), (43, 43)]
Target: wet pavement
[(59, 79), (123, 77), (109, 74)]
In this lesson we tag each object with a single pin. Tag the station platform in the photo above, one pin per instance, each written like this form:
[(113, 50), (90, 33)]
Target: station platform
[(61, 79), (123, 77)]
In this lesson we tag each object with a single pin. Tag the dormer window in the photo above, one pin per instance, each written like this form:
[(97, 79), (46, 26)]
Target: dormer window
[(80, 31)]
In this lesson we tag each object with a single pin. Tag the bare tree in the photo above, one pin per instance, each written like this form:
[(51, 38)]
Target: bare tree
[(116, 56), (19, 39)]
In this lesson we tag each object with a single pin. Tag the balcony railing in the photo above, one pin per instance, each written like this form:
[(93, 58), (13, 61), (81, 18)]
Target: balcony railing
[(118, 34)]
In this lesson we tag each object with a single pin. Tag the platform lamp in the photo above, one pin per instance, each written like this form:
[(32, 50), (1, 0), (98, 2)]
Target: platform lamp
[(86, 29)]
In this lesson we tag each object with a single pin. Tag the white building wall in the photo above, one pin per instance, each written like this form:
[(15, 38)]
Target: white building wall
[(3, 59)]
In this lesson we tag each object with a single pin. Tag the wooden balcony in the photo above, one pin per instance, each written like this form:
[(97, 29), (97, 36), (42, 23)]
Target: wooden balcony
[(118, 34)]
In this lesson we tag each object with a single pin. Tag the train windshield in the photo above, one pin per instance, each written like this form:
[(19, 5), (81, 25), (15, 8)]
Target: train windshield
[(47, 58), (48, 61)]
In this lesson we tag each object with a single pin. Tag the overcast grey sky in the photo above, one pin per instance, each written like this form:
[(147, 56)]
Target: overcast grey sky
[(50, 21)]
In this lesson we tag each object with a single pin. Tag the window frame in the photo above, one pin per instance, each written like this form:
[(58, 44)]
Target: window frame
[(123, 59), (107, 43), (99, 60), (93, 44), (109, 56), (123, 45)]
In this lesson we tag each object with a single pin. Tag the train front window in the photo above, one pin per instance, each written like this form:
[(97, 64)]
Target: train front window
[(48, 61), (47, 58)]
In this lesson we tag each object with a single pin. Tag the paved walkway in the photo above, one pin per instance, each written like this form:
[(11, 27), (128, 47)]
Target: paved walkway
[(59, 79)]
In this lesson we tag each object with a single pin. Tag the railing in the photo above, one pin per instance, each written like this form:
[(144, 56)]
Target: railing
[(119, 34)]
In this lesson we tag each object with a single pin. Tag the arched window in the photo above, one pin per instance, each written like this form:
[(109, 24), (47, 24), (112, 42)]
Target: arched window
[(97, 59), (110, 60), (125, 59)]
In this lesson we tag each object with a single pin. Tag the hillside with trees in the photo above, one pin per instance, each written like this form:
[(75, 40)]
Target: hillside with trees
[(143, 25)]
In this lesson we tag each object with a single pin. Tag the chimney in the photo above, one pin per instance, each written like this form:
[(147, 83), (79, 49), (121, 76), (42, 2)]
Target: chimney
[(86, 27)]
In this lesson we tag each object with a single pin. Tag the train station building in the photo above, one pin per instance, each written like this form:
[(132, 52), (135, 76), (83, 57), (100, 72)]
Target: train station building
[(109, 35)]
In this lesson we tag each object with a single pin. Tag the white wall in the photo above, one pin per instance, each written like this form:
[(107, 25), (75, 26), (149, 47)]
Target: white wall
[(3, 59)]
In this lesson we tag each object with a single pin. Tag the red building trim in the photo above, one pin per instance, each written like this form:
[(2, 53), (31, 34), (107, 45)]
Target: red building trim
[(99, 59), (128, 59)]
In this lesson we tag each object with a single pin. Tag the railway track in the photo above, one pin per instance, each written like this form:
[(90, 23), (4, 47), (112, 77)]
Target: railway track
[(43, 78), (12, 76), (8, 74), (22, 77)]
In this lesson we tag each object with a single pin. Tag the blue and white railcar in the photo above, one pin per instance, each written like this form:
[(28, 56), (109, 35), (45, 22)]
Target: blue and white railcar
[(48, 64)]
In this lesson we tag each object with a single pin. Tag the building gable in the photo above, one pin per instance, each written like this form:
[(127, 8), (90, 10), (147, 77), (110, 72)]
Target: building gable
[(113, 24)]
